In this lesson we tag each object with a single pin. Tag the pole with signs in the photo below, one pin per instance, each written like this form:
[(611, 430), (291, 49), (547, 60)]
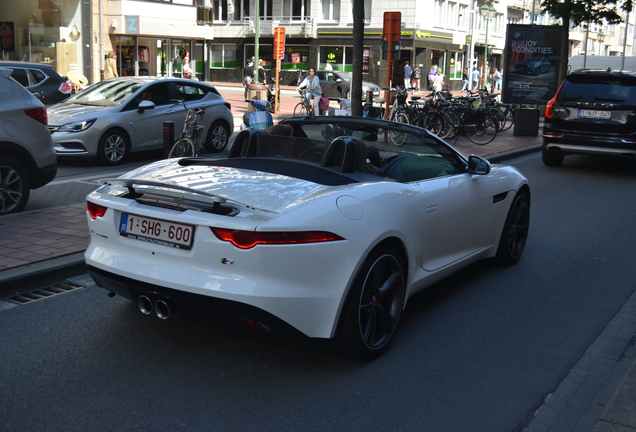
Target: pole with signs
[(279, 54), (390, 45)]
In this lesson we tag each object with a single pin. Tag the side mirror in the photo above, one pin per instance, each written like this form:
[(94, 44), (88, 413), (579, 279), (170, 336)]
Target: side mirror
[(144, 105), (338, 80), (478, 165)]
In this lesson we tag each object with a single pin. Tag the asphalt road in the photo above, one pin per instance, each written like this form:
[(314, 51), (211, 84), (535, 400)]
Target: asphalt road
[(479, 351)]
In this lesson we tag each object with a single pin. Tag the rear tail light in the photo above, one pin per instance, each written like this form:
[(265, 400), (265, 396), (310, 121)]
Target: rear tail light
[(95, 210), (66, 88), (38, 114), (228, 105), (548, 108), (249, 239)]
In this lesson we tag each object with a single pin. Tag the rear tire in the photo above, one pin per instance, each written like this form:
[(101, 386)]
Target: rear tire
[(218, 137), (300, 110), (551, 158), (183, 147), (480, 127), (373, 308), (15, 186)]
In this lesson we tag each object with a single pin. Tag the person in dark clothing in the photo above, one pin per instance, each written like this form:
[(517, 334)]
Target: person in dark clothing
[(248, 76)]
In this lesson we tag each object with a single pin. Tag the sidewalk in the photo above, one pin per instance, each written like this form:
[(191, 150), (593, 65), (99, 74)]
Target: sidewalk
[(45, 246)]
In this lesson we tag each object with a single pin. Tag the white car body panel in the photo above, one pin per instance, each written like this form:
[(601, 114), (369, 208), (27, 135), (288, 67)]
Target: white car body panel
[(304, 285)]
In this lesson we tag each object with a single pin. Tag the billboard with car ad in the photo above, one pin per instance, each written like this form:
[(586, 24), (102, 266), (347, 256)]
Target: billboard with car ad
[(531, 63)]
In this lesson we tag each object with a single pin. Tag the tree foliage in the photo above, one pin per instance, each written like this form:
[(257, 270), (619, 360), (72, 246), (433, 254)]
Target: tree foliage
[(577, 12)]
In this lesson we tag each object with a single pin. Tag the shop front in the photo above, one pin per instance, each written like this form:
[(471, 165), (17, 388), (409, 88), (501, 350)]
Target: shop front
[(46, 31)]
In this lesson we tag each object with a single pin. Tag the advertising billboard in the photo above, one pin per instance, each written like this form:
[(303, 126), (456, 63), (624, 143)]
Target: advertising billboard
[(531, 63)]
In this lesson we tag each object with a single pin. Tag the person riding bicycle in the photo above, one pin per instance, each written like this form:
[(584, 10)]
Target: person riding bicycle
[(312, 83)]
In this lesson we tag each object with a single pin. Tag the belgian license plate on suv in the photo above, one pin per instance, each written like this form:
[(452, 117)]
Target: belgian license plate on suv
[(595, 114), (156, 231)]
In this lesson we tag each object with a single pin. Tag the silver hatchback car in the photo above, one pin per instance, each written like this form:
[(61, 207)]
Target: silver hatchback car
[(105, 121)]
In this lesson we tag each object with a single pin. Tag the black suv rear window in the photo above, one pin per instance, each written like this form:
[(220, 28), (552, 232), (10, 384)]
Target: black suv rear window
[(598, 88)]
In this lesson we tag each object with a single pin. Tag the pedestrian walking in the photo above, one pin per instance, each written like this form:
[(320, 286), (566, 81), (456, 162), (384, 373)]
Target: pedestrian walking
[(248, 76), (498, 79), (465, 79), (438, 81), (406, 69), (475, 78), (431, 75), (415, 78), (110, 66)]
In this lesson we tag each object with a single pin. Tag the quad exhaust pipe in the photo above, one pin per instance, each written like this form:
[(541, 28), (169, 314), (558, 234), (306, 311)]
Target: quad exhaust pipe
[(161, 308)]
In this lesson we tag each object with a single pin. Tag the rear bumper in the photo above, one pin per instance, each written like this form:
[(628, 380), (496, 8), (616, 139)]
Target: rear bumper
[(586, 143), (44, 175), (196, 306)]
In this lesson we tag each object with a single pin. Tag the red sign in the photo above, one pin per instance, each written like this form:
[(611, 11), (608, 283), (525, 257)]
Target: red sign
[(279, 43)]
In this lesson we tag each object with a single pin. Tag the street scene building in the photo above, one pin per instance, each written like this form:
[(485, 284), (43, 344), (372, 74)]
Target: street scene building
[(216, 37)]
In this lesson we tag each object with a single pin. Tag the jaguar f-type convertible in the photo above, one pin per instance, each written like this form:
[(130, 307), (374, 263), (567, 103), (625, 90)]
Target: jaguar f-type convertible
[(326, 232)]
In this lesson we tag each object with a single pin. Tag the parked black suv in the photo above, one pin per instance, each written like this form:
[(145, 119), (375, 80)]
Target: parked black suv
[(593, 112), (40, 79)]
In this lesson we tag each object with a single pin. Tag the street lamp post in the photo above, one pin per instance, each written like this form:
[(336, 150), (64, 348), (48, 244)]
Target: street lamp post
[(600, 37), (488, 11)]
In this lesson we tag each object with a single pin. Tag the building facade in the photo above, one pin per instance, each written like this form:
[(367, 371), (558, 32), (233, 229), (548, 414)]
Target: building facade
[(217, 37)]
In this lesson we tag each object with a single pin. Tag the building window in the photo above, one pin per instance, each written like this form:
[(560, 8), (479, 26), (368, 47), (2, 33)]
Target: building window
[(331, 10), (241, 9), (439, 12), (222, 56), (295, 9), (220, 10), (462, 17), (265, 8)]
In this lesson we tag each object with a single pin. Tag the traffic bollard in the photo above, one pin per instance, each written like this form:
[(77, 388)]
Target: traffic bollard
[(168, 137)]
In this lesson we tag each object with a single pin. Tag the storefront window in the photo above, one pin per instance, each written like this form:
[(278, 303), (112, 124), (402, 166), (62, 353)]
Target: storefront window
[(223, 56), (339, 57), (43, 32)]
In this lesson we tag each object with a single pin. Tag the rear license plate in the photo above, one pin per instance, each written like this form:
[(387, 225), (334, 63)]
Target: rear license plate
[(605, 115), (156, 231)]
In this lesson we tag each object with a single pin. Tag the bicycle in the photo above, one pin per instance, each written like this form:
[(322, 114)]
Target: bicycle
[(189, 142), (304, 108), (397, 113)]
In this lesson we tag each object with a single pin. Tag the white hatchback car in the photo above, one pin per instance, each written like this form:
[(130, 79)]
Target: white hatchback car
[(27, 158), (106, 120)]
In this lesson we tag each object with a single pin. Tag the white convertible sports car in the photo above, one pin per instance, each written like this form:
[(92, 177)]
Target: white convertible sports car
[(326, 233)]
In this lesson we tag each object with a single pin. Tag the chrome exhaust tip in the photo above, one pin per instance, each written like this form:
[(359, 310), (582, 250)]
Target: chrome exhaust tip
[(162, 309), (144, 304)]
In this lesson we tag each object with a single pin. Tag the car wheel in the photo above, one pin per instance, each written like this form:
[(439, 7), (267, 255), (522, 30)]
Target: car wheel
[(14, 186), (347, 94), (218, 137), (371, 313), (113, 147), (551, 158), (515, 231)]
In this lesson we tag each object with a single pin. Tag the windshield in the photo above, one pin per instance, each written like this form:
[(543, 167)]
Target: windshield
[(402, 154), (107, 93)]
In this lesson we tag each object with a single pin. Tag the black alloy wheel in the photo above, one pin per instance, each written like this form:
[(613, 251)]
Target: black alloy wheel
[(374, 306)]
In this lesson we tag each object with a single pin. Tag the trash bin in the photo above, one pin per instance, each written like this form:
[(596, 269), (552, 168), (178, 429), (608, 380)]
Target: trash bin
[(526, 122), (256, 91)]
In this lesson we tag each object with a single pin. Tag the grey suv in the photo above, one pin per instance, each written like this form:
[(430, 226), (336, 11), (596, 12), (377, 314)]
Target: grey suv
[(27, 158), (593, 112)]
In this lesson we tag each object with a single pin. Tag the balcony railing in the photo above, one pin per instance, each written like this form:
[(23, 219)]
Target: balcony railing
[(294, 26)]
